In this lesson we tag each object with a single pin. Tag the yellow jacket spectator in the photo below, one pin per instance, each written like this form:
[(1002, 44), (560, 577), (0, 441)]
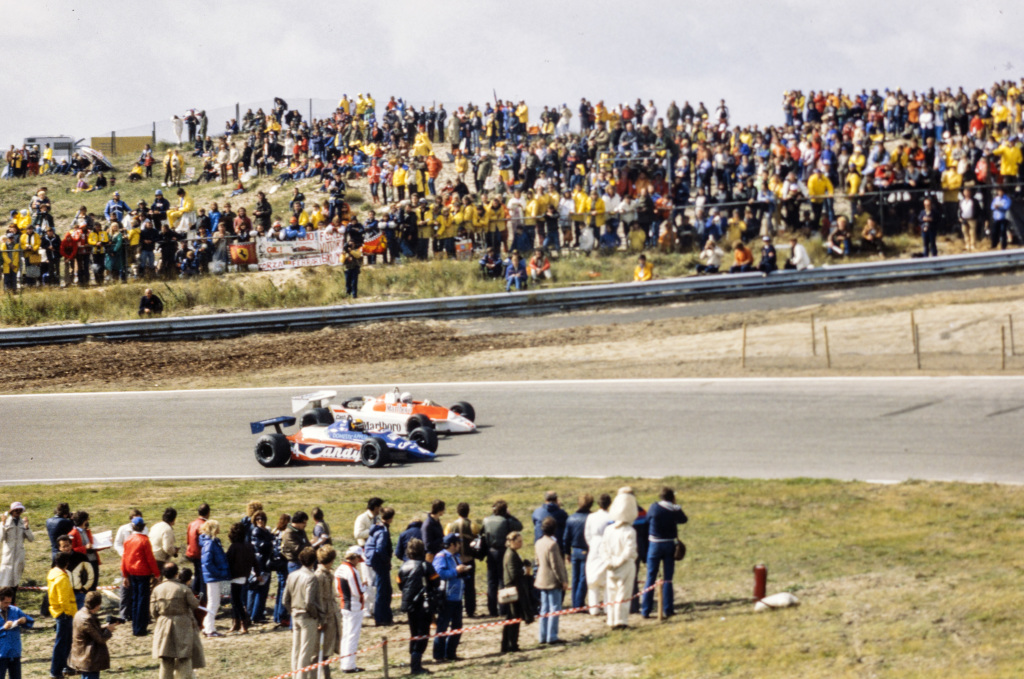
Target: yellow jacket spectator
[(60, 594), (495, 216), (523, 113), (819, 187), (1009, 159), (446, 225), (595, 210), (533, 210), (422, 145), (9, 254), (952, 182), (98, 240), (461, 165), (644, 270), (29, 243), (579, 200), (398, 177)]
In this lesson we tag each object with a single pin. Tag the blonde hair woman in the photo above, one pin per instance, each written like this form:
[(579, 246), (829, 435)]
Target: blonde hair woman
[(215, 572)]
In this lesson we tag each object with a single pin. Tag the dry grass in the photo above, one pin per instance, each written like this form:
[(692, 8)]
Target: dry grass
[(895, 581)]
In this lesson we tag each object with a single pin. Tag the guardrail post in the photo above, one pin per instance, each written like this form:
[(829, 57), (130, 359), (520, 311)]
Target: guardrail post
[(917, 344), (814, 338), (913, 333), (828, 350), (743, 361), (385, 650), (1002, 352), (659, 596), (1013, 346)]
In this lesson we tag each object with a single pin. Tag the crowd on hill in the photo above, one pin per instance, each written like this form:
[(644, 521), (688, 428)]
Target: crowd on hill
[(630, 176), (176, 575)]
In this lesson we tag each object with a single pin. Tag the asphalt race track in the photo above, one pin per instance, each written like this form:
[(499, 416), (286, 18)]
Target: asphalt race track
[(875, 429)]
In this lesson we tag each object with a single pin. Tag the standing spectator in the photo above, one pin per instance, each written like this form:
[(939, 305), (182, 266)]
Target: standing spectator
[(81, 580), (433, 531), (62, 608), (125, 531), (82, 542), (450, 569), (496, 529), (414, 529), (10, 634), (365, 521), (1000, 218), (321, 531), (139, 568), (419, 584), (968, 211), (162, 537), (57, 525), (575, 540), (377, 555), (294, 540), (327, 604), (663, 521), (193, 552), (279, 564), (14, 531), (551, 580), (241, 564), (300, 599), (619, 551), (519, 575), (350, 589), (551, 508), (89, 654), (262, 541), (176, 642), (214, 564), (464, 527), (352, 260), (929, 219)]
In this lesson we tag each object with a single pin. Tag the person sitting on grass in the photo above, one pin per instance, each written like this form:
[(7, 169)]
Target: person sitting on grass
[(743, 258), (515, 273), (610, 240), (710, 257), (644, 270), (539, 267), (491, 265)]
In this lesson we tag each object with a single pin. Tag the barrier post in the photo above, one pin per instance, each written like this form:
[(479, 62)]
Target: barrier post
[(828, 351), (913, 332), (1013, 346), (814, 339), (917, 345), (385, 650), (743, 360), (659, 595), (1002, 352)]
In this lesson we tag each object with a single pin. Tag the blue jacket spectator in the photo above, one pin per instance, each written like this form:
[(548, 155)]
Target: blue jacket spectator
[(214, 560), (413, 530), (294, 232), (551, 508), (116, 208), (10, 640)]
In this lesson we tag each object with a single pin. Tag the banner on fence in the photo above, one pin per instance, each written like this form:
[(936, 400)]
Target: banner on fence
[(242, 253), (315, 249)]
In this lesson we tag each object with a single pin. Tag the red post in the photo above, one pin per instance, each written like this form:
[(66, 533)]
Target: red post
[(760, 581)]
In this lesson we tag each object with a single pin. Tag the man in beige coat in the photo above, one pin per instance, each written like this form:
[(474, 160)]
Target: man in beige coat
[(301, 598), (327, 603), (176, 642), (552, 580)]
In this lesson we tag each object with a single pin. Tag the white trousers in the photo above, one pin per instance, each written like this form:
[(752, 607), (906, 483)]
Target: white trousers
[(620, 588), (595, 595), (366, 577), (351, 628), (213, 592)]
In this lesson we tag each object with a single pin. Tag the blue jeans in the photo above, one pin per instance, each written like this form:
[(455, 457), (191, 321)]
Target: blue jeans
[(279, 612), (61, 646), (90, 675), (256, 601), (928, 240), (140, 603), (516, 282), (579, 577), (382, 614), (663, 553), (550, 601), (449, 617)]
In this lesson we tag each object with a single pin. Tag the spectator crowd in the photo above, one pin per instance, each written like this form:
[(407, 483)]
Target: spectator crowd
[(173, 577), (850, 168)]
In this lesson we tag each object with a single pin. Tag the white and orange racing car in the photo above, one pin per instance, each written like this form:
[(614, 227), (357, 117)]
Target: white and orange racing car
[(398, 412)]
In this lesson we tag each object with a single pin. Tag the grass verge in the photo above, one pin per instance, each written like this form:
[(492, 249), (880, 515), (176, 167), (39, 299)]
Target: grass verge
[(907, 580)]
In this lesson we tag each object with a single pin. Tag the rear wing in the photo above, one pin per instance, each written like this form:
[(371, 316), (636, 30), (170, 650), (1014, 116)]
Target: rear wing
[(276, 422), (316, 399)]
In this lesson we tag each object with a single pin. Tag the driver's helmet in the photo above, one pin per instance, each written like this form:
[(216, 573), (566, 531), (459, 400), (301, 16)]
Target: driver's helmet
[(357, 425), (406, 397)]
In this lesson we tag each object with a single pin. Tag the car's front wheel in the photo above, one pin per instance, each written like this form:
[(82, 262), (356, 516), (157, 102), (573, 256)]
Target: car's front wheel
[(273, 450), (424, 437), (373, 453), (464, 409)]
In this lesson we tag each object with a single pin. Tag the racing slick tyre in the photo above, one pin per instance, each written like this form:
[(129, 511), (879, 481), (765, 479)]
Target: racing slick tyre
[(373, 453), (273, 450), (319, 417), (424, 437), (419, 421), (464, 409)]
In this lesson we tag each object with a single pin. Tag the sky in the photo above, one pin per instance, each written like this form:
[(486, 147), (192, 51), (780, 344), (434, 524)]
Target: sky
[(86, 68)]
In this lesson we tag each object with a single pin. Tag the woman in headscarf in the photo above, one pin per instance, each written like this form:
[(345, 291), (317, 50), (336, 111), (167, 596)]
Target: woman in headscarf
[(619, 551)]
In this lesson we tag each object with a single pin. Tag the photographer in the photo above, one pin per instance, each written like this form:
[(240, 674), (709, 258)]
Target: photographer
[(89, 654)]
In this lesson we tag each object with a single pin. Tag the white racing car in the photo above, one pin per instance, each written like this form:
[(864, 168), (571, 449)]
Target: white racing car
[(400, 413)]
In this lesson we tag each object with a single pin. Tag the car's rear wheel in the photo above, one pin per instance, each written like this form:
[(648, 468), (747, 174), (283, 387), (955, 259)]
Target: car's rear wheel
[(464, 409), (373, 453), (273, 450), (424, 437), (317, 417), (418, 421)]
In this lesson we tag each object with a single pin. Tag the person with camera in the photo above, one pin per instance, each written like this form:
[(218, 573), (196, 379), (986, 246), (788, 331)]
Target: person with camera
[(12, 619), (176, 641), (420, 594), (518, 579), (89, 653)]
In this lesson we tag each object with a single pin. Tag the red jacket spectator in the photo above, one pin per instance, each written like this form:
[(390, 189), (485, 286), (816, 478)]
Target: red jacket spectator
[(192, 551), (138, 557), (78, 545)]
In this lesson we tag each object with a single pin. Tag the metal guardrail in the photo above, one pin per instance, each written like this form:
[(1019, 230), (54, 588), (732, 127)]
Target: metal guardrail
[(530, 302)]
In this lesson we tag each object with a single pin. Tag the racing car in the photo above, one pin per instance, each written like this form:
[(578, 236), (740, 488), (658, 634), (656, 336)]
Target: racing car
[(323, 438), (398, 412)]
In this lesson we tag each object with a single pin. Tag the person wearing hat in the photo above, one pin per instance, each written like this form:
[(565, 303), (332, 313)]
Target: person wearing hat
[(139, 567), (769, 259), (116, 208), (351, 589), (450, 569), (13, 534)]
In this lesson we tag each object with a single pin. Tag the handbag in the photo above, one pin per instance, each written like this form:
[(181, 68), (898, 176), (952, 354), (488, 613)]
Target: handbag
[(508, 595), (476, 548), (680, 552)]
